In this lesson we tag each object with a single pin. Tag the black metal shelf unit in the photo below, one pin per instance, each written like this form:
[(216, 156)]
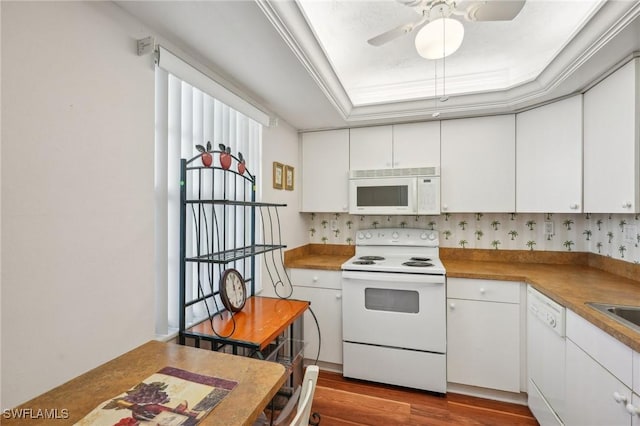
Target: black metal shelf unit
[(217, 230)]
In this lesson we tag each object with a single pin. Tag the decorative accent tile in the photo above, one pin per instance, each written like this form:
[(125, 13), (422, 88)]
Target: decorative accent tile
[(596, 233)]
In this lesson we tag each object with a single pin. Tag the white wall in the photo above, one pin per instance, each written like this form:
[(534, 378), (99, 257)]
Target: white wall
[(77, 192), (280, 143)]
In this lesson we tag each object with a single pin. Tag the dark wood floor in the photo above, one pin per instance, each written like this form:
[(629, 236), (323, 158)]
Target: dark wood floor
[(342, 401)]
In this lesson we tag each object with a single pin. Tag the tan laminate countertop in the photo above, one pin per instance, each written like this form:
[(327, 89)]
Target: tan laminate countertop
[(570, 284)]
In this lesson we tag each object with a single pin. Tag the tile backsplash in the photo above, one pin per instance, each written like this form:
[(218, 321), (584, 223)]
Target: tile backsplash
[(598, 233)]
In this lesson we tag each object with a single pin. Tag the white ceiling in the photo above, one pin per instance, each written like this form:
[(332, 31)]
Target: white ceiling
[(308, 62), (493, 56)]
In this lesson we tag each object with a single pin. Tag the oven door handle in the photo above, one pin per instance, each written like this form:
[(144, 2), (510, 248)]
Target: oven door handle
[(395, 277)]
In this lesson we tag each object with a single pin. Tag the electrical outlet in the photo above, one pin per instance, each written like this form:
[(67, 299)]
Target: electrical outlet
[(334, 224), (548, 228), (629, 233)]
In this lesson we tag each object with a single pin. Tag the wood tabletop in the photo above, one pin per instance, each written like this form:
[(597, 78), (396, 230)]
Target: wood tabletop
[(261, 320), (258, 381)]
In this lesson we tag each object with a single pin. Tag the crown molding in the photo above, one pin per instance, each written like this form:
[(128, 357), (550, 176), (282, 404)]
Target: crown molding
[(287, 18), (609, 21)]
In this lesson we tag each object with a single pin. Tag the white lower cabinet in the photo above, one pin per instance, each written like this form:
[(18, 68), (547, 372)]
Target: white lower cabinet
[(594, 396), (323, 289), (634, 409), (636, 372), (599, 377), (483, 333)]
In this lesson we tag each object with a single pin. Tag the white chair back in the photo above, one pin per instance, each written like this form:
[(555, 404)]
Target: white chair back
[(306, 396)]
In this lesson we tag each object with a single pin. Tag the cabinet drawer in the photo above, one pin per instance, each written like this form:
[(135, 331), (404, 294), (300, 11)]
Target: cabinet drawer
[(487, 290), (612, 354), (316, 278)]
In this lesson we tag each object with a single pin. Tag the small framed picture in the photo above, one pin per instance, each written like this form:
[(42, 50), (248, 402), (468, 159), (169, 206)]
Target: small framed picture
[(288, 178), (278, 175)]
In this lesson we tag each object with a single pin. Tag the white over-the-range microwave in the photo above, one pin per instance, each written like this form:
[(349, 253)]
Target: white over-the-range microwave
[(414, 191)]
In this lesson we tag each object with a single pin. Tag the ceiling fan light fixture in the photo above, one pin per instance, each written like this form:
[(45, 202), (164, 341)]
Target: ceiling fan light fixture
[(439, 38)]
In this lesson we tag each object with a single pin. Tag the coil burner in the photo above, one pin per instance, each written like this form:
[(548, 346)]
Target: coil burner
[(418, 264), (371, 258)]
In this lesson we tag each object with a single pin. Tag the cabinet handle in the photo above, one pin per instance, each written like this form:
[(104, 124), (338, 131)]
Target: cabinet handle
[(338, 295), (445, 207), (574, 206), (626, 205), (632, 410), (315, 279), (619, 398), (344, 208), (482, 291), (452, 305)]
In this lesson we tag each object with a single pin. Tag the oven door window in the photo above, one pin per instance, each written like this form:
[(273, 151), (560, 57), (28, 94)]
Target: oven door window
[(383, 196), (391, 300)]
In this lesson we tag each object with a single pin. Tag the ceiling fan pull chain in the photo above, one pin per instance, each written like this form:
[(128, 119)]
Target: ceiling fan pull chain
[(435, 113)]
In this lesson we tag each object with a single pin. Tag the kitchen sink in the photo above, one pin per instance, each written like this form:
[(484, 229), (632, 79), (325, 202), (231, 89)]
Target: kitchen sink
[(627, 315)]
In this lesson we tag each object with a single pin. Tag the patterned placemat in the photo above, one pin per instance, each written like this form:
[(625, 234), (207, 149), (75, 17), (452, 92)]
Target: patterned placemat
[(169, 397)]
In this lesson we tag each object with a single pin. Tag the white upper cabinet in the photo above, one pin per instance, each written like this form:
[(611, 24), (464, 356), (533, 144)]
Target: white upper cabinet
[(611, 143), (397, 146), (371, 148), (325, 171), (549, 158), (416, 144), (478, 164)]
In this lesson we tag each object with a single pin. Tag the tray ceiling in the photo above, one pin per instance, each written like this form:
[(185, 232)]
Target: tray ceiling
[(493, 56), (307, 62)]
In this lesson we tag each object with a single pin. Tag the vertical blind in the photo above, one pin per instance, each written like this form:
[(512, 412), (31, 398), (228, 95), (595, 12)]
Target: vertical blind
[(187, 116)]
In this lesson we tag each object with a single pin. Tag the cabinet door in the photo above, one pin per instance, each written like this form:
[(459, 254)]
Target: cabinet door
[(327, 306), (549, 158), (611, 143), (636, 372), (416, 145), (478, 164), (371, 148), (483, 344), (594, 396), (325, 171)]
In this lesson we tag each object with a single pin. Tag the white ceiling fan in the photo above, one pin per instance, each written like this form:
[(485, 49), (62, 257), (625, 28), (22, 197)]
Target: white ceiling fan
[(442, 35)]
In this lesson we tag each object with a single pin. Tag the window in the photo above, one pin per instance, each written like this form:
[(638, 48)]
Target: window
[(187, 116)]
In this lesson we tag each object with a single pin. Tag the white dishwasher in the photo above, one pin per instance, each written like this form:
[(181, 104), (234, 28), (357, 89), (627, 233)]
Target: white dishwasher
[(545, 358)]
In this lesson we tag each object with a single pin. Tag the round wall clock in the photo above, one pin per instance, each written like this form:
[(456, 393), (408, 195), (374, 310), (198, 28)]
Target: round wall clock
[(232, 290)]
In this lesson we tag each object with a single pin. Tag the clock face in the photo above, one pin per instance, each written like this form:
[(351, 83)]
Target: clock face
[(232, 290)]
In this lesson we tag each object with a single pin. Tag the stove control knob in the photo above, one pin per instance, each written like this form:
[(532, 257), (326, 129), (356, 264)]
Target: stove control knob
[(395, 235), (423, 236), (432, 236), (360, 235), (368, 235)]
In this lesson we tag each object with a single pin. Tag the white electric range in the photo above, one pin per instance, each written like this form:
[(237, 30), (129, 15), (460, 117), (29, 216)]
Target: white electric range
[(393, 306)]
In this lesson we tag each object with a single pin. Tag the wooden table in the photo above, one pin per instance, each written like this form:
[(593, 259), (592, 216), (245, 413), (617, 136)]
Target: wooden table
[(258, 324), (258, 381)]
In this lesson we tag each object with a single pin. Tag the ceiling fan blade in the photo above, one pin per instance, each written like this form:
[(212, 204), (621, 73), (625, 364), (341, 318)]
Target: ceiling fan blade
[(394, 33), (494, 10)]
